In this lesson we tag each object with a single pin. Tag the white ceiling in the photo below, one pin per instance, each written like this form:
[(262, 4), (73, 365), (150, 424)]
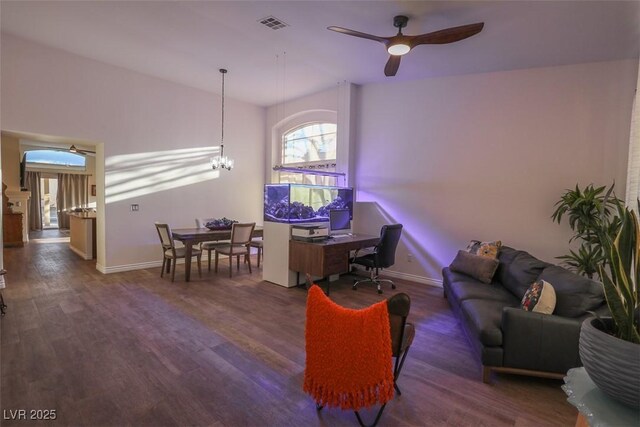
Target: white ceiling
[(187, 42)]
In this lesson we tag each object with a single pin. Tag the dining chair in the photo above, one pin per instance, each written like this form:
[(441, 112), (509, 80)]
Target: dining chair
[(259, 245), (171, 253), (209, 246), (239, 245)]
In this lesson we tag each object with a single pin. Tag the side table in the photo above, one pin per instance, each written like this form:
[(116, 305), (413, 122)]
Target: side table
[(595, 408)]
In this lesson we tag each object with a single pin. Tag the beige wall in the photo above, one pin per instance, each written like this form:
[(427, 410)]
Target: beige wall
[(486, 156), (157, 138), (11, 162)]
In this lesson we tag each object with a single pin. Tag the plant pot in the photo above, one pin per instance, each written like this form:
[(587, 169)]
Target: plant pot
[(613, 364)]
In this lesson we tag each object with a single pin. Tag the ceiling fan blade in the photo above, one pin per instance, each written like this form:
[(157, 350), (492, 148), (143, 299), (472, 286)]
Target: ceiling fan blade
[(75, 150), (358, 34), (448, 35), (393, 63)]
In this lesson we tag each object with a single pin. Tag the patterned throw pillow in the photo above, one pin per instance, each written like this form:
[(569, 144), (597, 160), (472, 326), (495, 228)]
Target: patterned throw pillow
[(540, 298), (485, 249)]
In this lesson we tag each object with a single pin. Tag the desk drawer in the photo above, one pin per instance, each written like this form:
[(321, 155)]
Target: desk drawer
[(336, 260)]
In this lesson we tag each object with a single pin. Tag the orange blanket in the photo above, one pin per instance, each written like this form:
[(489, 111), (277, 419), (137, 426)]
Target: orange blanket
[(348, 353)]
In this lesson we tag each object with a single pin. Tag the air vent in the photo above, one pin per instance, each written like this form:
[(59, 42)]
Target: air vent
[(273, 22)]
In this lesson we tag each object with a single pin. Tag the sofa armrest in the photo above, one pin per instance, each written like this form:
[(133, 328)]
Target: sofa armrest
[(540, 342)]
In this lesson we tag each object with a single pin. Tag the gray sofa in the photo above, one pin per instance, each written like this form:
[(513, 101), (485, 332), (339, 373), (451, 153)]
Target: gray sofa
[(510, 339)]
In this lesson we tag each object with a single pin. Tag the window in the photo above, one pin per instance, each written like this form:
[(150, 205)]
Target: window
[(315, 142), (310, 146), (53, 159)]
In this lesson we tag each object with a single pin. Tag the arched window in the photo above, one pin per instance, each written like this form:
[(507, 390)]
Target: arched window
[(54, 159), (311, 146)]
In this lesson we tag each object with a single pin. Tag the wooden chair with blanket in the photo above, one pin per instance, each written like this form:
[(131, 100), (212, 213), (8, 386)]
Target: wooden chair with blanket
[(349, 352)]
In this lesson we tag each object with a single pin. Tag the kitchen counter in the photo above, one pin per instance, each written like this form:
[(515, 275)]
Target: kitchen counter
[(82, 227)]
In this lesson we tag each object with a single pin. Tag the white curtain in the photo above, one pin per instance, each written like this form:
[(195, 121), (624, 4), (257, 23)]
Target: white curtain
[(72, 194), (633, 170), (32, 182)]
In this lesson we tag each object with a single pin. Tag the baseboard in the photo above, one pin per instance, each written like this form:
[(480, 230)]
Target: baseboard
[(82, 255), (131, 267), (141, 266), (413, 278), (154, 264), (410, 277)]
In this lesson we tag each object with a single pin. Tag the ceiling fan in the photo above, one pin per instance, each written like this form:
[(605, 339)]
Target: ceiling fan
[(75, 150), (401, 44)]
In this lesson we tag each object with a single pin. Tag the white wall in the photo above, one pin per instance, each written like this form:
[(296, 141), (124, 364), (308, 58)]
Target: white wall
[(486, 156), (334, 104), (158, 138)]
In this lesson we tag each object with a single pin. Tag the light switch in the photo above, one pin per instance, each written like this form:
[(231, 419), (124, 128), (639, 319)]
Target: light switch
[(135, 207)]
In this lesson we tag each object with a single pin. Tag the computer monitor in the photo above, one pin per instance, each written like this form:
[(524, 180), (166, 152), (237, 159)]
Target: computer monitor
[(339, 222)]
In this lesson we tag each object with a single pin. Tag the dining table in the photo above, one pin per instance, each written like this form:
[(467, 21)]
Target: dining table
[(191, 236)]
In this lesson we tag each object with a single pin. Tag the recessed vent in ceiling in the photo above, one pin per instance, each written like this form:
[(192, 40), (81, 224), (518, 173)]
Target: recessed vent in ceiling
[(273, 22)]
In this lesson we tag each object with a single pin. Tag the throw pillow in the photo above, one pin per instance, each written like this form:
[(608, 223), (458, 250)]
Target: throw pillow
[(478, 267), (485, 249), (576, 294), (539, 298)]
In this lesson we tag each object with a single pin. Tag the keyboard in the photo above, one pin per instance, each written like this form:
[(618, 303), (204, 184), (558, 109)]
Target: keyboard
[(337, 236)]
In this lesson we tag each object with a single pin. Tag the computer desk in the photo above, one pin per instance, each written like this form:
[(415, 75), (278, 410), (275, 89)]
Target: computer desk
[(326, 257)]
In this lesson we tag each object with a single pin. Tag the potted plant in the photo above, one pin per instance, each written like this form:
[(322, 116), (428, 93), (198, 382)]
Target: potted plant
[(590, 212), (610, 348)]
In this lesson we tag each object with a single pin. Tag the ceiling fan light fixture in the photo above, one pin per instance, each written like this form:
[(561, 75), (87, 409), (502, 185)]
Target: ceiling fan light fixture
[(398, 49), (401, 44)]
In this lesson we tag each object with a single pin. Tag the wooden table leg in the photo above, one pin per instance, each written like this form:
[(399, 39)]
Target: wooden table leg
[(187, 260)]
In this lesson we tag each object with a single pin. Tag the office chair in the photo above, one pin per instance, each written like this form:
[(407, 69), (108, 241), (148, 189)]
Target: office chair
[(383, 256), (329, 327)]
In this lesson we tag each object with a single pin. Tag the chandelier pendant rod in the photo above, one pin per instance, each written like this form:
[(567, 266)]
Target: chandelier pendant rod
[(223, 71), (221, 161)]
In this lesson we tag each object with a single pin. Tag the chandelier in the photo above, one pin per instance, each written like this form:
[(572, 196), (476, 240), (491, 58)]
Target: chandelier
[(221, 161)]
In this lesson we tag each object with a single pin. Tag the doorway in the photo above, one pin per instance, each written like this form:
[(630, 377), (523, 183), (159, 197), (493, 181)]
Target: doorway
[(48, 202)]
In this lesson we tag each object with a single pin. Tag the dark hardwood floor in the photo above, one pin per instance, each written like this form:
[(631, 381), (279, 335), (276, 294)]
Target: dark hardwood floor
[(134, 349)]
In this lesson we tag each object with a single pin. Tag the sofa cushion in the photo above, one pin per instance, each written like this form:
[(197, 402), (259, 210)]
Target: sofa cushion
[(506, 257), (574, 294), (484, 318), (485, 249), (478, 267), (521, 272), (471, 289), (539, 298)]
